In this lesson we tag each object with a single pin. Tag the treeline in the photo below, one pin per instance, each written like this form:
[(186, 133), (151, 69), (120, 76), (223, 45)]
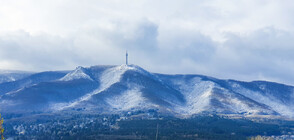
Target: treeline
[(200, 127), (135, 127)]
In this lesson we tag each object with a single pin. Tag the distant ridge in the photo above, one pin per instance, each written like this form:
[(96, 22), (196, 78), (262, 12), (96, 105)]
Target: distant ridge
[(123, 88)]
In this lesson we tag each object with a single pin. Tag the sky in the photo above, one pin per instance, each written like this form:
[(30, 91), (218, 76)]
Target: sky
[(244, 40)]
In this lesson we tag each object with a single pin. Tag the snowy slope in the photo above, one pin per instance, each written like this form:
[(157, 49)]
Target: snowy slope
[(30, 80), (206, 94), (78, 73), (9, 76), (126, 87), (107, 78), (282, 105), (115, 89)]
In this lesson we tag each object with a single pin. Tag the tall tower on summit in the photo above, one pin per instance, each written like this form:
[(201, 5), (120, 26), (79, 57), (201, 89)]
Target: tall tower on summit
[(126, 57)]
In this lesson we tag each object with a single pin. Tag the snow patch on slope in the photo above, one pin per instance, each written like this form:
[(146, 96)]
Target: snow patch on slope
[(204, 96), (267, 100), (238, 104), (112, 76), (199, 99), (78, 73), (108, 78), (12, 75), (127, 100), (197, 94)]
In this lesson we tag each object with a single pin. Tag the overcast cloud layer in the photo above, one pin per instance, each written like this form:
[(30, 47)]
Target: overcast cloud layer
[(243, 40)]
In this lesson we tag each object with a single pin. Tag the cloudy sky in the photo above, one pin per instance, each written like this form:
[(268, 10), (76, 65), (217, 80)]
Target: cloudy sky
[(244, 39)]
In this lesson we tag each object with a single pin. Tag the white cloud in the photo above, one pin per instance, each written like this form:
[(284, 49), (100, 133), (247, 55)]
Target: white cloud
[(245, 40)]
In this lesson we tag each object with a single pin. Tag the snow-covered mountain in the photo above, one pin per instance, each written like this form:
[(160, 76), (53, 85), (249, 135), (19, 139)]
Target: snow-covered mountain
[(114, 89), (9, 75)]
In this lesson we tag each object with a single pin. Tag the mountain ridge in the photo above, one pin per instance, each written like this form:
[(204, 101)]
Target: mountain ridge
[(115, 89)]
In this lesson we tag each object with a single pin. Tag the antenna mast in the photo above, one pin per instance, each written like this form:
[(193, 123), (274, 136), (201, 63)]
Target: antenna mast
[(126, 57), (156, 137)]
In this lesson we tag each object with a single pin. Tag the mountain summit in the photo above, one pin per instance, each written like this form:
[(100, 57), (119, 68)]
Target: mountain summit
[(127, 88)]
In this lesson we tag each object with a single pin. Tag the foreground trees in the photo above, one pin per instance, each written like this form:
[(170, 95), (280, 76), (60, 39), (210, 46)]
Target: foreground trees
[(1, 128)]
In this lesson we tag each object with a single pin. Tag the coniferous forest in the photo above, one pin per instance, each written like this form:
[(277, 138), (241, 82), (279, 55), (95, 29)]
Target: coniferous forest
[(140, 125)]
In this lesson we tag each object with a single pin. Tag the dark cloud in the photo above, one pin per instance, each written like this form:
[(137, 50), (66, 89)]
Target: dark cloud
[(245, 40), (178, 45), (263, 54)]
